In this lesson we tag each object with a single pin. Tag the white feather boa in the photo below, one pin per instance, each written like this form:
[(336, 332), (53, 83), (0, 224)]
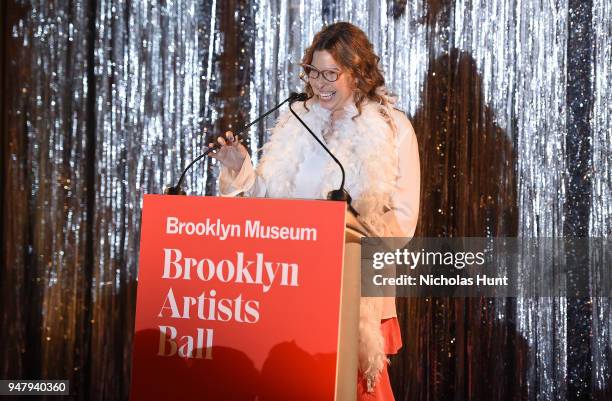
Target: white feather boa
[(367, 148)]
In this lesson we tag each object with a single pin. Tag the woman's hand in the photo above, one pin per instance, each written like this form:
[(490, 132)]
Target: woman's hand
[(232, 153)]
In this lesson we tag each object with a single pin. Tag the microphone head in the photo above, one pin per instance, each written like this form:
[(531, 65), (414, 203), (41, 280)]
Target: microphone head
[(298, 97)]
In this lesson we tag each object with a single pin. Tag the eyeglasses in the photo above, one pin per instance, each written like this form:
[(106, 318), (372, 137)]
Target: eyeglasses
[(311, 73)]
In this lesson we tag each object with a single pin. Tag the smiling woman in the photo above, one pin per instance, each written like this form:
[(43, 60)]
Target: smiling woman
[(349, 68), (350, 108), (327, 81)]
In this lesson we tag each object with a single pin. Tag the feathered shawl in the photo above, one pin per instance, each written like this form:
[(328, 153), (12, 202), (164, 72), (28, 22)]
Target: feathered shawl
[(366, 145)]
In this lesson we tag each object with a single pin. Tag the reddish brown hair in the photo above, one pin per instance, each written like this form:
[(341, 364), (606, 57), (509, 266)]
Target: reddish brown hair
[(351, 48)]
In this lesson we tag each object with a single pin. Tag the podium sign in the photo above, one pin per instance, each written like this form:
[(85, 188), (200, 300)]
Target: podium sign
[(238, 299)]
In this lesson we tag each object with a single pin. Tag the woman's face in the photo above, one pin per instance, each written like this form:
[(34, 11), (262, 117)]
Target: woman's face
[(332, 95)]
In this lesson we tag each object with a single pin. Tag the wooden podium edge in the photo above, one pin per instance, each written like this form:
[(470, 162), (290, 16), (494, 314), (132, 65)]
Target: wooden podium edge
[(347, 359)]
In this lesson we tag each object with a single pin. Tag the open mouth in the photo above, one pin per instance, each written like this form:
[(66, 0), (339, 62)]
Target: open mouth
[(326, 95)]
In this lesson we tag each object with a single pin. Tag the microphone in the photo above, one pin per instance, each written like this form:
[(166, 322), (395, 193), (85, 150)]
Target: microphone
[(177, 189), (298, 97), (339, 194)]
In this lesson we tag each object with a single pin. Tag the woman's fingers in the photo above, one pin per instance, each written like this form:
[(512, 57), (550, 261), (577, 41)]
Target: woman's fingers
[(229, 150), (232, 139), (228, 139)]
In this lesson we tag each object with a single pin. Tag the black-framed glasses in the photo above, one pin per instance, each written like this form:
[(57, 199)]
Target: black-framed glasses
[(311, 73)]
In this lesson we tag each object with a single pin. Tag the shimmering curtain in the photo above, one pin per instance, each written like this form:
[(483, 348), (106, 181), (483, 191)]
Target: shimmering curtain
[(105, 100)]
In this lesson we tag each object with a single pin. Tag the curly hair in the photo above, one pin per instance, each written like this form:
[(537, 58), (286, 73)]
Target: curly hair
[(352, 49)]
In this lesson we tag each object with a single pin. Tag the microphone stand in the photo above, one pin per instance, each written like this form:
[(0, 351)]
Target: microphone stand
[(339, 194), (177, 189)]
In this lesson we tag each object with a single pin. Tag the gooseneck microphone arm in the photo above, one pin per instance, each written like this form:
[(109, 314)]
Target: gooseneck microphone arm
[(339, 194), (177, 189), (322, 144)]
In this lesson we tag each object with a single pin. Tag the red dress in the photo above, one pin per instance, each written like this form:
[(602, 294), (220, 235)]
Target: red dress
[(393, 342)]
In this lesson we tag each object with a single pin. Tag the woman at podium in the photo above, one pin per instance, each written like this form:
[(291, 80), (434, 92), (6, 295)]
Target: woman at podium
[(350, 109)]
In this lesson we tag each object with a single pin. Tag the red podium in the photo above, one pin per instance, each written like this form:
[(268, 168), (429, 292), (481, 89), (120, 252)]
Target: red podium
[(238, 299)]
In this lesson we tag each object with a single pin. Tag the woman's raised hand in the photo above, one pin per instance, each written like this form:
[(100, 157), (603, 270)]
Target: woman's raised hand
[(231, 153)]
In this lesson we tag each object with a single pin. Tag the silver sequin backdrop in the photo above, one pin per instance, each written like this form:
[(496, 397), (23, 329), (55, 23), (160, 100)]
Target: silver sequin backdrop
[(105, 100)]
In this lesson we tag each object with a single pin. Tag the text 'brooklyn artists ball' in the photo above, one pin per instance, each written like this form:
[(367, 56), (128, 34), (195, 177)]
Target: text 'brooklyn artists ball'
[(227, 299)]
